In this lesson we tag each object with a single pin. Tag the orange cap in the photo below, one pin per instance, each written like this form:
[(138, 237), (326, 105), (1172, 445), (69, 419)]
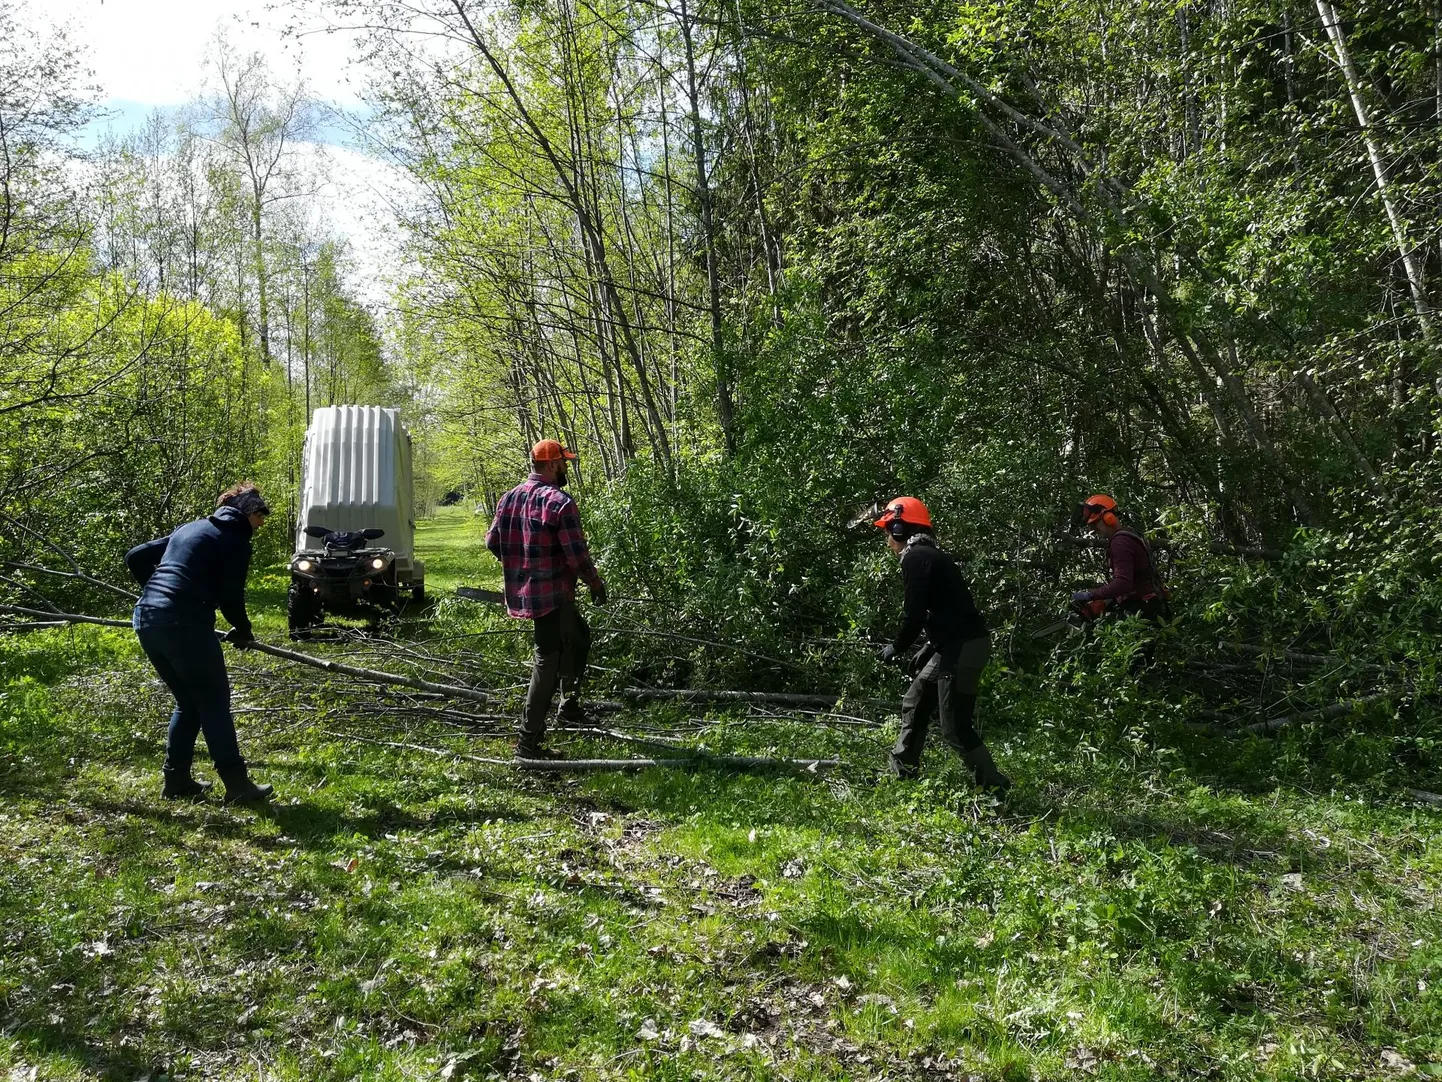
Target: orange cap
[(905, 509), (550, 451)]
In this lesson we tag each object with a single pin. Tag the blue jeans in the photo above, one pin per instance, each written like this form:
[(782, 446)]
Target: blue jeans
[(188, 659)]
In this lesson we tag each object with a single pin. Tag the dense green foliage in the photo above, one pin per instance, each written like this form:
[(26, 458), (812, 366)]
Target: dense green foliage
[(763, 265)]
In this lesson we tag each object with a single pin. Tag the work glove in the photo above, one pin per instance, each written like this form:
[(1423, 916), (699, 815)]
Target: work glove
[(599, 595), (1081, 597), (240, 639), (919, 661), (887, 655)]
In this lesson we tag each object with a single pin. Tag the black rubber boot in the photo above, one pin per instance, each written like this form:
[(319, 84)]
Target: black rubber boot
[(239, 789), (982, 765), (179, 785)]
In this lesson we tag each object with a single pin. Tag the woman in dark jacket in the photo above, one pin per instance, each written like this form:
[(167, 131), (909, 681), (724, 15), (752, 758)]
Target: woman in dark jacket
[(187, 575)]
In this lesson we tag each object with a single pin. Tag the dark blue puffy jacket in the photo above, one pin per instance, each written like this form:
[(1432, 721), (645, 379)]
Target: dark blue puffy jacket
[(199, 568)]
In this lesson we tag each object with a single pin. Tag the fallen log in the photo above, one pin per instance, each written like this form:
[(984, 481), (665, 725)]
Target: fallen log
[(1424, 796)]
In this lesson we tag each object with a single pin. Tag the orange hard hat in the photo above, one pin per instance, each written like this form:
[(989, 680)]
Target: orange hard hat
[(550, 451), (906, 509), (1094, 507)]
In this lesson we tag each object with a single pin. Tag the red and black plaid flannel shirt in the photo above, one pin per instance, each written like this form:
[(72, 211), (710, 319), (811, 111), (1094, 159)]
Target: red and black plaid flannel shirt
[(537, 537)]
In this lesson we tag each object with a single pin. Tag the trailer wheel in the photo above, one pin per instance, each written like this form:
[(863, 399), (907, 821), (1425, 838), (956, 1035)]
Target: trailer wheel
[(302, 609), (418, 593)]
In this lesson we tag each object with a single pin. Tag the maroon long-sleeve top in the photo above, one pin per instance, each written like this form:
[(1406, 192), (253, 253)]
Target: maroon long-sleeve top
[(1133, 574)]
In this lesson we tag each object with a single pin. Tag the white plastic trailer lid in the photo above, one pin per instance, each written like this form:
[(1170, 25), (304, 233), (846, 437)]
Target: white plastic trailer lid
[(357, 475)]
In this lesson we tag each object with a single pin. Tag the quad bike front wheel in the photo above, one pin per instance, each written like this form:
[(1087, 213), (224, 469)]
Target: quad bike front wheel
[(303, 609)]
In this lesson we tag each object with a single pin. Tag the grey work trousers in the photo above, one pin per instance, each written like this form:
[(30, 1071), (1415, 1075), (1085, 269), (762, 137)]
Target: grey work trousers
[(946, 686), (563, 642)]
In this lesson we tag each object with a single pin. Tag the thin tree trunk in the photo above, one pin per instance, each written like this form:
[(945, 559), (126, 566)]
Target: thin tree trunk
[(1416, 283), (591, 230), (725, 409), (1328, 412)]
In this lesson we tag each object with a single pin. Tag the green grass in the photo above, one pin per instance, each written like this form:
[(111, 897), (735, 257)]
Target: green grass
[(453, 545), (1139, 909)]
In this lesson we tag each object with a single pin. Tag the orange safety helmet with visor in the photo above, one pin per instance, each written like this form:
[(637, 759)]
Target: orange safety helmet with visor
[(902, 512), (1099, 508)]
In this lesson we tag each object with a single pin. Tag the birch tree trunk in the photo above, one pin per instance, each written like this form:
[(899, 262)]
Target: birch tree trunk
[(1416, 283)]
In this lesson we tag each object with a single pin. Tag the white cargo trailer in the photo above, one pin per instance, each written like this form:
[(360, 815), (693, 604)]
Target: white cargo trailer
[(356, 488)]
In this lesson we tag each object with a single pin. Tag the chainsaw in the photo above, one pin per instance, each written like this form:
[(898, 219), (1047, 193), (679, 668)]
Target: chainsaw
[(1080, 614)]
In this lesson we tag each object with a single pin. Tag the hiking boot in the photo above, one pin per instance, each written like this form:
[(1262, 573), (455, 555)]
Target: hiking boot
[(239, 789), (536, 751), (179, 785), (575, 715), (903, 770), (984, 768)]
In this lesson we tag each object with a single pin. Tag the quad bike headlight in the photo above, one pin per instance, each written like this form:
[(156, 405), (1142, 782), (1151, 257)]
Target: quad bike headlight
[(378, 563), (304, 565)]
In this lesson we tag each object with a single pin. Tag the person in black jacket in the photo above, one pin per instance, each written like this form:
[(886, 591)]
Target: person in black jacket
[(187, 575), (948, 671)]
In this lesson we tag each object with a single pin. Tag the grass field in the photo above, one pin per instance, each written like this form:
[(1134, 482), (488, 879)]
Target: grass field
[(1138, 910)]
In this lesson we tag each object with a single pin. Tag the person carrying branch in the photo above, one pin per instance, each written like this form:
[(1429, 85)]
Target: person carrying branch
[(537, 537), (186, 576), (948, 671), (1135, 586)]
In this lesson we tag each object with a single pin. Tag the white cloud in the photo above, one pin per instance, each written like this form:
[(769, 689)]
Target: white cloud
[(151, 54), (153, 51), (356, 201)]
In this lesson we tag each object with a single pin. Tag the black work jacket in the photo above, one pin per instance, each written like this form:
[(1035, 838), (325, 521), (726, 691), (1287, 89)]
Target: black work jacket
[(937, 599)]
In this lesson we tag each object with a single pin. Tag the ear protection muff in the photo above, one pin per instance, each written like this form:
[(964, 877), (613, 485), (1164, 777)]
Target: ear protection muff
[(896, 527), (1090, 513)]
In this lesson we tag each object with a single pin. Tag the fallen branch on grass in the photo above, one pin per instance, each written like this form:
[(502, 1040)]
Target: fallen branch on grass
[(75, 572), (1333, 711), (37, 569), (1291, 655), (772, 698), (64, 617), (373, 675), (1424, 796), (735, 762), (37, 625)]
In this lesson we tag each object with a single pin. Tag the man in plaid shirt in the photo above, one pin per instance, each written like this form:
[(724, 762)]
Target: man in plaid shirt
[(537, 537)]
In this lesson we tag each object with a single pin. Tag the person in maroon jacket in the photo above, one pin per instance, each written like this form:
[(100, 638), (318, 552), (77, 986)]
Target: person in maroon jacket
[(537, 537), (1135, 586)]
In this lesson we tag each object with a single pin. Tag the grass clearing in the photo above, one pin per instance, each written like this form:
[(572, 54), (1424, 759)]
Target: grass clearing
[(1138, 909)]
